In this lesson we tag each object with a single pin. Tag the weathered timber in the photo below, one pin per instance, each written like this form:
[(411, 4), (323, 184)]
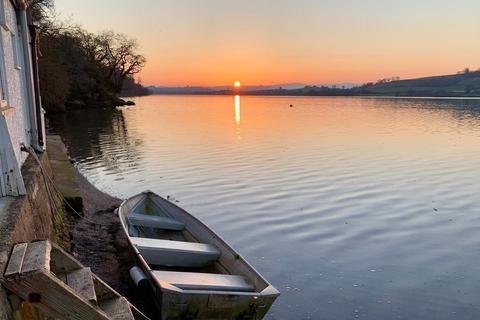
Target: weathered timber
[(117, 308), (16, 259), (54, 297), (103, 290), (68, 295), (82, 282), (62, 262), (37, 256)]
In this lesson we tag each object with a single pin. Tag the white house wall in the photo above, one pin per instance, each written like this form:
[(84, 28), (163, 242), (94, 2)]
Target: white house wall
[(17, 118)]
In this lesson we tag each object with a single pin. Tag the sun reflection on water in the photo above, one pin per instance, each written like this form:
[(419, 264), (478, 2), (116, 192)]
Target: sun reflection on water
[(237, 116), (237, 109)]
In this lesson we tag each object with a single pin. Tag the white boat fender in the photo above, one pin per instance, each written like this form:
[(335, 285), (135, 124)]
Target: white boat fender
[(139, 278)]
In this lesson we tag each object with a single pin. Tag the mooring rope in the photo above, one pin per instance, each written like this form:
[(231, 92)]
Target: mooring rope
[(50, 184)]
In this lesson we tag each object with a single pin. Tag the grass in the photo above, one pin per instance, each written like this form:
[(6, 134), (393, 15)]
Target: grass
[(465, 84)]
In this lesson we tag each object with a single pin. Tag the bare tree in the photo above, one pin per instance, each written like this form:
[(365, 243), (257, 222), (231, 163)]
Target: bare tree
[(118, 54), (40, 8)]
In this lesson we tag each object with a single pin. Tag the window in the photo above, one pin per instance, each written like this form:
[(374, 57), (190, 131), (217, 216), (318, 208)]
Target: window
[(3, 184), (3, 76), (16, 58), (2, 95), (3, 17)]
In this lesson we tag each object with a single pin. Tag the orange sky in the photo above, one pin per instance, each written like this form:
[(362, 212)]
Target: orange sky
[(215, 42)]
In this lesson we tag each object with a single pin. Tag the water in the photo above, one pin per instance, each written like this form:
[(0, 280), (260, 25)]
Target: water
[(354, 208)]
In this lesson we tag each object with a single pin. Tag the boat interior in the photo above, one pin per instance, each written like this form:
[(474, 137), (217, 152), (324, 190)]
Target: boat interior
[(174, 254)]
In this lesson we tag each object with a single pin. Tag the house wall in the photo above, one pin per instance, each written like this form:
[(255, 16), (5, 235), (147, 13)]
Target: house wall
[(17, 118), (24, 219)]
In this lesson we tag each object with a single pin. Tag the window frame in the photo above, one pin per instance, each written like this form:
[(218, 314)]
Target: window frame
[(3, 16), (3, 184), (15, 50), (4, 94)]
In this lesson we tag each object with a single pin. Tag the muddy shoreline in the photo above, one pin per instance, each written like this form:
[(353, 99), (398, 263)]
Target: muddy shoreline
[(99, 242)]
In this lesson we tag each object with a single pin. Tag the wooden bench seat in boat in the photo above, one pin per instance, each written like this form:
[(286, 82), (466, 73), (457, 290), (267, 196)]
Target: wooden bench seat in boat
[(175, 253), (204, 281), (145, 220)]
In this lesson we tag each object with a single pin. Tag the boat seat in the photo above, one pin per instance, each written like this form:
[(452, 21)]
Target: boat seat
[(204, 281), (175, 253), (144, 220)]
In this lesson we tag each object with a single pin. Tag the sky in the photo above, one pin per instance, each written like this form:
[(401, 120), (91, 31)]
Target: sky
[(217, 42)]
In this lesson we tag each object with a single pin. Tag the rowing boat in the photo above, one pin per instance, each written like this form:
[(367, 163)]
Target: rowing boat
[(193, 272)]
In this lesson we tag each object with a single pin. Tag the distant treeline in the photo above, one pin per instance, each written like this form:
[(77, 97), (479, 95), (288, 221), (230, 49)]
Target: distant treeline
[(79, 69), (462, 84), (131, 88), (465, 84)]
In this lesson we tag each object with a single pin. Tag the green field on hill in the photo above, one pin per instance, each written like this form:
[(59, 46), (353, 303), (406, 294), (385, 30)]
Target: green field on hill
[(464, 84)]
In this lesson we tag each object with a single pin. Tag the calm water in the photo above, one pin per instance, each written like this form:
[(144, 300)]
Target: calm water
[(352, 207)]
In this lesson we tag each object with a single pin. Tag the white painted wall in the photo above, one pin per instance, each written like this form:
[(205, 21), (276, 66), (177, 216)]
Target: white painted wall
[(17, 117)]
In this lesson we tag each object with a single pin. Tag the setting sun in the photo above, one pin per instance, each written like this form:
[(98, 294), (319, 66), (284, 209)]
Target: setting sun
[(237, 84)]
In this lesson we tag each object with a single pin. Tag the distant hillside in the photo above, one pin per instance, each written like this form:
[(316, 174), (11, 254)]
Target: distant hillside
[(464, 84), (244, 89), (217, 89)]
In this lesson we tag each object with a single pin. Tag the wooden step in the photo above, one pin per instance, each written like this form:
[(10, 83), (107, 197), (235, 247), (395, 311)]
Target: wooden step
[(29, 257), (102, 290), (62, 262), (62, 288), (105, 293), (16, 259), (51, 295), (175, 253), (117, 308), (81, 281), (204, 281)]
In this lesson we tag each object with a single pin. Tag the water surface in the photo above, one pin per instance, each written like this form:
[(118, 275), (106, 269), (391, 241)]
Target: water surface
[(363, 208)]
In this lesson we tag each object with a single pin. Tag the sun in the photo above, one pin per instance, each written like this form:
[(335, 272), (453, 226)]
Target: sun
[(237, 84)]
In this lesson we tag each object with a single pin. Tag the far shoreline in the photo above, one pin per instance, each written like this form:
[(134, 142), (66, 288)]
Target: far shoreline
[(244, 94)]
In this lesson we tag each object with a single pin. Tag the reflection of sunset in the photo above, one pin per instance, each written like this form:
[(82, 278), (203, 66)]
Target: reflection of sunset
[(237, 109), (314, 121)]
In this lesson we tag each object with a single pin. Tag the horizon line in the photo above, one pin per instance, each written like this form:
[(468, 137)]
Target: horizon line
[(309, 83)]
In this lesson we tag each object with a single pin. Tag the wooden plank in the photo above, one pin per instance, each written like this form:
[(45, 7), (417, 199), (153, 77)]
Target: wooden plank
[(137, 314), (82, 282), (27, 311), (117, 309), (16, 259), (62, 277), (37, 256), (103, 290), (52, 296), (62, 261)]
